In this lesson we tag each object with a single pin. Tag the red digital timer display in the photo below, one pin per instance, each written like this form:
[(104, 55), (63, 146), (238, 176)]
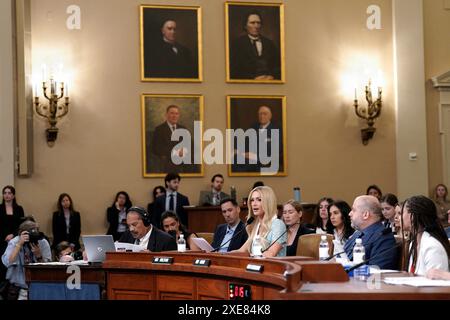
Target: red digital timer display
[(239, 292)]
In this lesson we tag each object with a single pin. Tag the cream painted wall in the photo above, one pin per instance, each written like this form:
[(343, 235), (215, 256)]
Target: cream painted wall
[(6, 95), (437, 53), (98, 151)]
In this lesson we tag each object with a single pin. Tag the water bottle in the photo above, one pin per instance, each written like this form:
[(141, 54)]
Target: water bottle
[(359, 253), (233, 193), (323, 248), (297, 195), (257, 247), (181, 244)]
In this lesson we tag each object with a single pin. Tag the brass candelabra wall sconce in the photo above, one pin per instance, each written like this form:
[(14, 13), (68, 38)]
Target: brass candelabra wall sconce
[(369, 113), (52, 111)]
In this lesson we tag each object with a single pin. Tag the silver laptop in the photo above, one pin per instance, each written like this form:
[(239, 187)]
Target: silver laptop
[(97, 246)]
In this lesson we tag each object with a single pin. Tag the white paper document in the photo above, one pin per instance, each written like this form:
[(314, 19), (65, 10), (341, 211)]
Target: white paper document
[(417, 282), (202, 244), (123, 246)]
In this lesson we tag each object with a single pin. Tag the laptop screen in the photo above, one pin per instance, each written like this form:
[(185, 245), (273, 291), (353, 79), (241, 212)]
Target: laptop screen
[(97, 246)]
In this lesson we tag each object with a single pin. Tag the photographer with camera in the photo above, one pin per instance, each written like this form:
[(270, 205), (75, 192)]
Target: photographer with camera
[(28, 247)]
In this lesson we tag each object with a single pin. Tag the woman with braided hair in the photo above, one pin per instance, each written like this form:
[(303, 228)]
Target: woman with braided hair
[(428, 244)]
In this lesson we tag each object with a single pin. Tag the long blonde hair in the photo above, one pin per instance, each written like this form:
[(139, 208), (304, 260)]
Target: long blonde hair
[(269, 206)]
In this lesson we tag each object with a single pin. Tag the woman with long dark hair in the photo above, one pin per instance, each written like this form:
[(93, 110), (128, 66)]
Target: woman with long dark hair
[(66, 222), (11, 215), (172, 225), (428, 244), (388, 203), (117, 215), (320, 218), (339, 223)]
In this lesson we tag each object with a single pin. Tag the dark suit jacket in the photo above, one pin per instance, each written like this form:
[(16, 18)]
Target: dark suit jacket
[(10, 227), (292, 249), (112, 215), (268, 136), (59, 228), (160, 207), (236, 242), (159, 240), (160, 145), (246, 64), (206, 198), (161, 61)]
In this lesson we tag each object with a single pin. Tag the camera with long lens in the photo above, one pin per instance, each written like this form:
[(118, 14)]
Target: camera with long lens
[(35, 236)]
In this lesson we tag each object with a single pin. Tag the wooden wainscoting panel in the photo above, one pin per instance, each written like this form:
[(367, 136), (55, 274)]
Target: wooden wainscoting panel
[(212, 289), (175, 287), (131, 286)]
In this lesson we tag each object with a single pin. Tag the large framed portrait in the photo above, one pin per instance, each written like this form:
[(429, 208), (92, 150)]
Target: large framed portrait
[(256, 135), (171, 43), (172, 134), (254, 42)]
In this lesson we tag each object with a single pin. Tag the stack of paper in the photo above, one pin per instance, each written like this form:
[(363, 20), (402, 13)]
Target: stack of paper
[(123, 246), (417, 282)]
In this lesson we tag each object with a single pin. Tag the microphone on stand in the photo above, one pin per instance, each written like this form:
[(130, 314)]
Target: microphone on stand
[(249, 221), (382, 233), (270, 245)]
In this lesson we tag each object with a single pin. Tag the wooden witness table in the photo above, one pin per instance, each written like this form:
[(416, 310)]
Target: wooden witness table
[(207, 218), (133, 276)]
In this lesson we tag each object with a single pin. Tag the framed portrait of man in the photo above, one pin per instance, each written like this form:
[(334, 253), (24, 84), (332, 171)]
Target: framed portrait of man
[(254, 42), (257, 135), (171, 43), (172, 134)]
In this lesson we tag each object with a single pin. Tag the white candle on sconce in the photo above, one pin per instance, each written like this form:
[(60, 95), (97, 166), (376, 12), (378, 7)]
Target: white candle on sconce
[(66, 89), (356, 97)]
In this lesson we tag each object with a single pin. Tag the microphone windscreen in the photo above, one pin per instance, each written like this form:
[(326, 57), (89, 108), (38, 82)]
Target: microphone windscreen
[(250, 220)]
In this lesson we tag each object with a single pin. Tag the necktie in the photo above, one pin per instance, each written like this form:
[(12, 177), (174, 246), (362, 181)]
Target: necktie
[(138, 241), (173, 127), (171, 204)]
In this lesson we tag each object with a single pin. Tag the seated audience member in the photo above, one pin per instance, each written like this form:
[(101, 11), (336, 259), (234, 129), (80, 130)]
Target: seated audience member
[(173, 201), (428, 244), (258, 184), (398, 219), (388, 203), (230, 235), (213, 197), (64, 252), (375, 191), (28, 247), (157, 192), (292, 218), (447, 231), (10, 218), (443, 205), (141, 232), (339, 224), (320, 218), (117, 215), (267, 227), (379, 246), (437, 274), (66, 222), (172, 225)]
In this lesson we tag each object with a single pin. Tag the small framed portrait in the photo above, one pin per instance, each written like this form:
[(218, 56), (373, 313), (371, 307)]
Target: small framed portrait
[(171, 43), (256, 135), (172, 134), (254, 42)]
